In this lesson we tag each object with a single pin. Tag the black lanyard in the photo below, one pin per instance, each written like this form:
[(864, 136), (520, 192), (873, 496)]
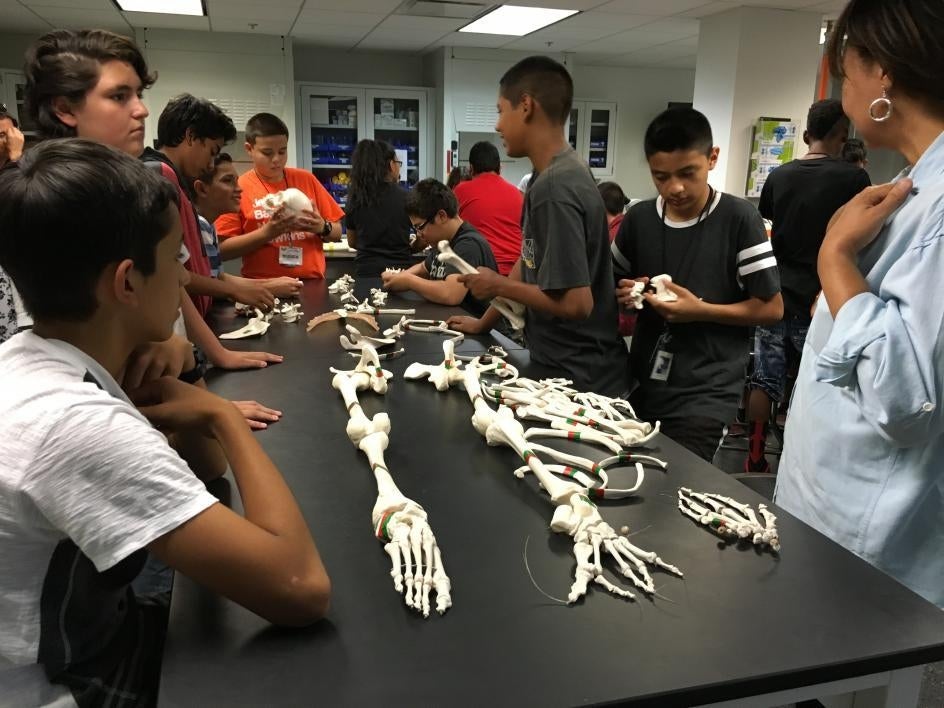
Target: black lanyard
[(677, 277)]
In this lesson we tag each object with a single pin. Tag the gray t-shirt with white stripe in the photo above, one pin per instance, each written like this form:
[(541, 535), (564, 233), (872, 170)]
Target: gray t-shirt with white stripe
[(724, 258)]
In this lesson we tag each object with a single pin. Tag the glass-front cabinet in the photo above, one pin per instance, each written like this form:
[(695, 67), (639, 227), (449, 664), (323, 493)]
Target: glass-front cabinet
[(335, 117), (592, 133)]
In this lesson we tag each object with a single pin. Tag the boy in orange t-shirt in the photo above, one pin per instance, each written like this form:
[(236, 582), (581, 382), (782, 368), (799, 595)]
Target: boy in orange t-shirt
[(280, 245)]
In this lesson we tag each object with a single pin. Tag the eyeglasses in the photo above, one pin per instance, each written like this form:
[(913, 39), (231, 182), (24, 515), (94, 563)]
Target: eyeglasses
[(419, 227), (399, 163)]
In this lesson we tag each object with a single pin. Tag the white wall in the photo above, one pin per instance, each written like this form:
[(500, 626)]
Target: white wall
[(244, 74), (773, 57), (315, 64), (641, 94)]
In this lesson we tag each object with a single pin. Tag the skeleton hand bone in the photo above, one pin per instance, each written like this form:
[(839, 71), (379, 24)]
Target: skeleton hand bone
[(512, 311)]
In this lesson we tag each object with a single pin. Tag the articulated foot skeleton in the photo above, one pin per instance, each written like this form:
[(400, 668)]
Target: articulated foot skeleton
[(576, 514), (730, 519), (398, 521), (511, 310)]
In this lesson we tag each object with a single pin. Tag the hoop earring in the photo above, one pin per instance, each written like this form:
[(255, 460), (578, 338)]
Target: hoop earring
[(884, 101)]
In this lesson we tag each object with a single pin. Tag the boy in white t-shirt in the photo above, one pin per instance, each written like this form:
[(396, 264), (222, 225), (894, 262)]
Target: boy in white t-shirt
[(88, 483)]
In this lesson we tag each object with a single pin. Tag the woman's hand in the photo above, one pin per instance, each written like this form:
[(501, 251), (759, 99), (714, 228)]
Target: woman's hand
[(864, 216)]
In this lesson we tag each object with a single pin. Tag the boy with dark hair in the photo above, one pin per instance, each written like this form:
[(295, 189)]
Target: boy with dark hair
[(492, 205), (854, 152), (87, 486), (279, 244), (434, 214), (191, 132), (217, 192), (800, 198), (563, 276), (689, 354)]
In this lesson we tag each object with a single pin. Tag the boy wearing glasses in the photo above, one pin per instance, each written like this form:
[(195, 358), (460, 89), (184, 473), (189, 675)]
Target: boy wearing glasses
[(434, 214)]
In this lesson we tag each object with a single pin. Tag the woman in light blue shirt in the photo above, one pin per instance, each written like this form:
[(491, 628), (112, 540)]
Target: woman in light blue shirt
[(864, 455)]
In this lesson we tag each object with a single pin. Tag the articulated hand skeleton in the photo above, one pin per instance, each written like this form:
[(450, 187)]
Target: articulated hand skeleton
[(512, 311), (398, 521), (575, 515), (730, 519)]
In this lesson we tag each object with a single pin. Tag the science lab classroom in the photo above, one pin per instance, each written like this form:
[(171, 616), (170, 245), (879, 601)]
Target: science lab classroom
[(456, 354)]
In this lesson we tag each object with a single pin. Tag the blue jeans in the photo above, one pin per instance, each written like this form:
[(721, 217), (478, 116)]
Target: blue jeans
[(771, 345)]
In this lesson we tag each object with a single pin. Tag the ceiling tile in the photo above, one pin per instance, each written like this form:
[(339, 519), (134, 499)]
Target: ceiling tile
[(161, 20), (72, 18), (221, 9), (420, 25), (341, 19), (711, 8), (473, 39), (558, 4), (370, 6), (629, 41), (69, 4), (615, 22), (678, 26), (661, 8), (251, 26), (17, 18)]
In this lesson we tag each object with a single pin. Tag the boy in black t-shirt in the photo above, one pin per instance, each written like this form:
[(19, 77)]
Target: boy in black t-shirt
[(689, 355), (564, 276), (434, 214), (799, 198)]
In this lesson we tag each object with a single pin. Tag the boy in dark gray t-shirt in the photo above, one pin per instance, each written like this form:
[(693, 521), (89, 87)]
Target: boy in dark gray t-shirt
[(564, 276)]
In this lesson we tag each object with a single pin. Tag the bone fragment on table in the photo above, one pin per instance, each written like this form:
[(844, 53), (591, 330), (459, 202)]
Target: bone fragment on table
[(366, 308), (434, 326), (511, 310), (341, 314), (378, 297), (342, 284), (290, 312), (443, 375), (368, 373), (257, 326), (354, 340)]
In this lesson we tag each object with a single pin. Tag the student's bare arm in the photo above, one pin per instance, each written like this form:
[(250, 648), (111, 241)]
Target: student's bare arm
[(267, 561), (472, 325), (443, 292), (567, 304), (351, 237), (201, 335)]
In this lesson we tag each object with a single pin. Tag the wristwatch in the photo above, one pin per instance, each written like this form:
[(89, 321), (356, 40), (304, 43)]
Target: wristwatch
[(199, 369), (328, 228)]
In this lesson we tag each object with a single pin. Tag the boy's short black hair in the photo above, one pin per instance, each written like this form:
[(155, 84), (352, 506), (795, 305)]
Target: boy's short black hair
[(614, 199), (222, 158), (204, 120), (264, 125), (68, 63), (548, 82), (484, 157), (428, 197), (89, 205), (824, 117), (853, 150), (679, 128)]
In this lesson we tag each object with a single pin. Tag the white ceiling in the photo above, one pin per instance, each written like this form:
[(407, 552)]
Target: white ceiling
[(661, 33)]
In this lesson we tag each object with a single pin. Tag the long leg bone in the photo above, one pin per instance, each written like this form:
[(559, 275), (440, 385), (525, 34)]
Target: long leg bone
[(513, 311), (415, 560)]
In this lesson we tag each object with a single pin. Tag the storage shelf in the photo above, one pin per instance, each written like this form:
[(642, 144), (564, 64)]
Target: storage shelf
[(598, 149), (330, 167), (334, 126), (398, 130)]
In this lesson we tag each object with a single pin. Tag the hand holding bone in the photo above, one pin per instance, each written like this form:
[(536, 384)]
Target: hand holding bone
[(512, 311)]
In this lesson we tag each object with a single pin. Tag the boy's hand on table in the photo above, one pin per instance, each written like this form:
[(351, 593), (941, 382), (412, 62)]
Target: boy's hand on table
[(687, 308), (234, 360), (283, 287), (394, 282), (465, 324), (172, 405), (254, 294), (257, 415), (155, 359), (483, 285)]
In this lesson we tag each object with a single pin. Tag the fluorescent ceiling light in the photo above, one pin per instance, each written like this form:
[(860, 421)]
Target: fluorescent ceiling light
[(516, 20), (166, 7)]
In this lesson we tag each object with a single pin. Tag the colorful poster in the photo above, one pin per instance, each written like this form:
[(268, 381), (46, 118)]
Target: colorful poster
[(773, 144)]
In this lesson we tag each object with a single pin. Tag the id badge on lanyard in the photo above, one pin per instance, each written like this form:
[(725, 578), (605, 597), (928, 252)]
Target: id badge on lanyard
[(662, 357)]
